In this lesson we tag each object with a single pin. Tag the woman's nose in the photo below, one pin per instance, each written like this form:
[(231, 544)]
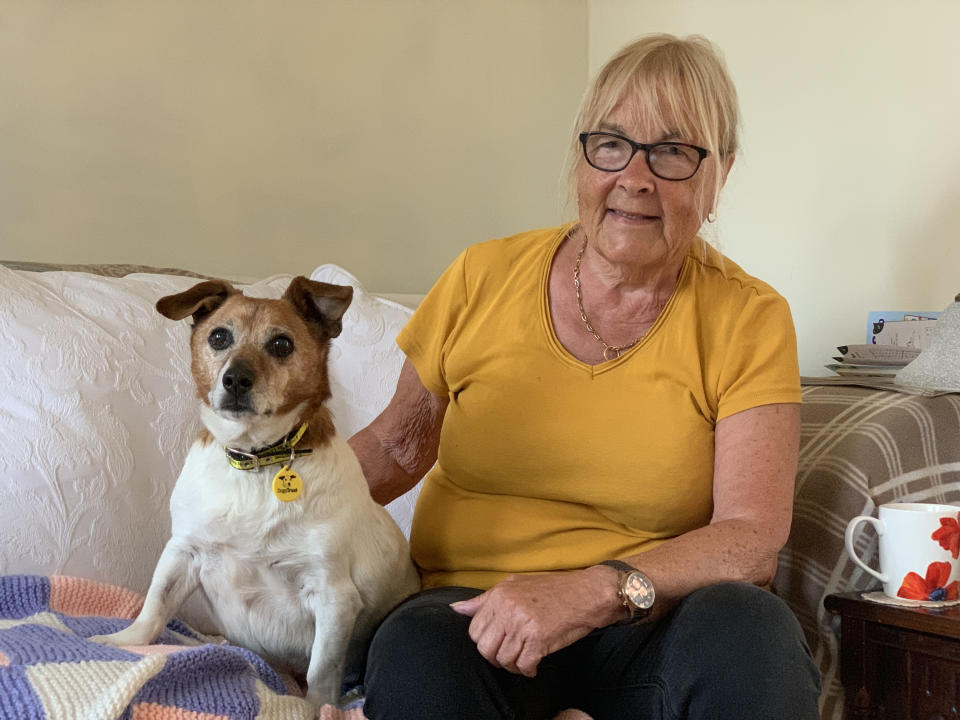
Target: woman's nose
[(636, 176)]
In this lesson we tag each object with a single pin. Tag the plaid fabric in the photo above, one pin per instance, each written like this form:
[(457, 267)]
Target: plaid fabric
[(860, 447)]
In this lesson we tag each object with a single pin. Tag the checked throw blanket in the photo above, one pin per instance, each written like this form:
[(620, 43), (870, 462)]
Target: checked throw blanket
[(50, 671)]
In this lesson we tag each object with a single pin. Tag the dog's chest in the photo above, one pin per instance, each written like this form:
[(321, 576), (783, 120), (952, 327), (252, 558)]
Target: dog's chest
[(215, 499), (257, 556)]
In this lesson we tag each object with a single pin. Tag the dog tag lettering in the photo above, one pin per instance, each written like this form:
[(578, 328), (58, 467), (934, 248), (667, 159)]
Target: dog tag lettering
[(287, 484)]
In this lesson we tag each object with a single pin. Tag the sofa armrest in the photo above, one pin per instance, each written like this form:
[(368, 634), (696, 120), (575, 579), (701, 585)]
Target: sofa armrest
[(860, 447)]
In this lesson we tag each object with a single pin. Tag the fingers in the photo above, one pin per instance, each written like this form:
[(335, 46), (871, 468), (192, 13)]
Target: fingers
[(499, 636), (490, 638), (506, 653), (519, 657), (505, 650), (488, 645), (529, 659), (469, 607)]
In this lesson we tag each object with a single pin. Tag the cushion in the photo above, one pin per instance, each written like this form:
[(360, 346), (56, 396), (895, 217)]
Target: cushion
[(937, 367), (364, 365), (98, 409)]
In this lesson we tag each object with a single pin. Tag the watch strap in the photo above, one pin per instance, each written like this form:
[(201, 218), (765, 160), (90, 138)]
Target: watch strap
[(634, 614), (618, 565)]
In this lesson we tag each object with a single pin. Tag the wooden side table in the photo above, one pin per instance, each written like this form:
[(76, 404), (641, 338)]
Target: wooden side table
[(898, 663)]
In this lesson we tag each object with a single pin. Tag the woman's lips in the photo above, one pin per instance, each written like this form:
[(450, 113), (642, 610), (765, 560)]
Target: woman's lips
[(631, 217)]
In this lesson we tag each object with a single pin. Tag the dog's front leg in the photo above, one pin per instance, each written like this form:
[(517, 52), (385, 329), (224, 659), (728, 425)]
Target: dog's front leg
[(335, 608), (176, 576)]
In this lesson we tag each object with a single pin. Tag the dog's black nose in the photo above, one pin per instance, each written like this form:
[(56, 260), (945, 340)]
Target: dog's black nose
[(238, 379)]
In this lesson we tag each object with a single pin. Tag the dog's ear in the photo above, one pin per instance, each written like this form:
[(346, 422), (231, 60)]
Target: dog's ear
[(200, 300), (320, 302)]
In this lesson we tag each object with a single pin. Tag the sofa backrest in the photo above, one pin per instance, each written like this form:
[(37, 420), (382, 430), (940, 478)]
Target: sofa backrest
[(98, 409)]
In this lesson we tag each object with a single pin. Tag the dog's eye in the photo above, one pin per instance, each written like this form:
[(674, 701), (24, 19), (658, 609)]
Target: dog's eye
[(220, 338), (280, 346)]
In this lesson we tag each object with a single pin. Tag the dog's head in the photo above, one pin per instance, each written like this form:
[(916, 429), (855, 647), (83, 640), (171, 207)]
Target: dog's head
[(260, 365)]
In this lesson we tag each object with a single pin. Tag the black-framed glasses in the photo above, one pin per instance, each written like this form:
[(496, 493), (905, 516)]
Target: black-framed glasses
[(668, 160)]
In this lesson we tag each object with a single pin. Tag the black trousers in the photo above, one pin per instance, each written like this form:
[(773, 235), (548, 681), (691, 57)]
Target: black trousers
[(726, 651)]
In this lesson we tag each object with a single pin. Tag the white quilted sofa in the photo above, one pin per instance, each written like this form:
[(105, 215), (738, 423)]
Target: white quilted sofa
[(97, 410)]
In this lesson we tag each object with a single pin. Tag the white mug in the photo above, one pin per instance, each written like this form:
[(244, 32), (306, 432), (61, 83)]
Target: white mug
[(919, 548)]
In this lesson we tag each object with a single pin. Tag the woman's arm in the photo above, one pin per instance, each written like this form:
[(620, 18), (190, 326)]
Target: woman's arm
[(524, 618), (400, 445), (755, 468)]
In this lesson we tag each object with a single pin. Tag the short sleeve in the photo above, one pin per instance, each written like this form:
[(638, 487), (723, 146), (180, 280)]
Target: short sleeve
[(426, 337), (760, 367)]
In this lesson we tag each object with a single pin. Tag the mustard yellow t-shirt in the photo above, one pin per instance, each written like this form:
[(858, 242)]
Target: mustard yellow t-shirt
[(548, 463)]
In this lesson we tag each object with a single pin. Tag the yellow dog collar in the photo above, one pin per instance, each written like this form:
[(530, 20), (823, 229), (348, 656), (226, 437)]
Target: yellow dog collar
[(280, 451)]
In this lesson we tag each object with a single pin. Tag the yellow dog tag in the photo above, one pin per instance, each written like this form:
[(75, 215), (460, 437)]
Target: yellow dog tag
[(287, 484)]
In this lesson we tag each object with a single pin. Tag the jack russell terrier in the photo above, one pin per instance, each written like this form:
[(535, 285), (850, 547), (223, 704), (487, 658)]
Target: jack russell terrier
[(271, 516)]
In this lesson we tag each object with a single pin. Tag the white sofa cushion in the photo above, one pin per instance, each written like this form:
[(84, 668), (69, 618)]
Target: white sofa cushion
[(364, 365), (98, 409)]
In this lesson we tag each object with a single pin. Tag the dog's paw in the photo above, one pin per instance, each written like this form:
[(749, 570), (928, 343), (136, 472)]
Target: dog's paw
[(127, 637), (319, 697)]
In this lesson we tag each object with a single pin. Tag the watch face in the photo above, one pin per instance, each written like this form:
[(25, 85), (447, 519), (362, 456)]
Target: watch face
[(639, 590)]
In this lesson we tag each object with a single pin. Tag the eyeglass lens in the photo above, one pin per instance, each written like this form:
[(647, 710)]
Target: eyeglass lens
[(671, 161)]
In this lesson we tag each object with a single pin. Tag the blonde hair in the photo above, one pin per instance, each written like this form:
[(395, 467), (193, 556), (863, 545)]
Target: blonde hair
[(681, 84)]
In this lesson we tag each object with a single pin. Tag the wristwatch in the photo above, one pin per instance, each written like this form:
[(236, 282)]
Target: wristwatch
[(635, 590)]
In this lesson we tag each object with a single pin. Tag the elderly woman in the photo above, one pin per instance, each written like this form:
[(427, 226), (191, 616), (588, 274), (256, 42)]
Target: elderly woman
[(613, 409)]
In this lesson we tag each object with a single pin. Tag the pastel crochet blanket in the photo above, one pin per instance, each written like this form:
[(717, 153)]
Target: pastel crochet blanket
[(49, 670)]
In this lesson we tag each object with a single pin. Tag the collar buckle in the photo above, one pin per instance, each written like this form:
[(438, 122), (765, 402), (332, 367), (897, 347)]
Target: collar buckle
[(270, 455)]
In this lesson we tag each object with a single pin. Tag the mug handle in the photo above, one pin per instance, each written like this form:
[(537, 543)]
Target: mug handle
[(848, 543)]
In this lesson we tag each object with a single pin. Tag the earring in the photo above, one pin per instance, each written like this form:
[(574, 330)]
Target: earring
[(711, 217)]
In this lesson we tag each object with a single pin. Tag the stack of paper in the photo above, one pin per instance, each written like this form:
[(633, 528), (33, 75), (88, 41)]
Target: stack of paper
[(894, 338), (872, 360)]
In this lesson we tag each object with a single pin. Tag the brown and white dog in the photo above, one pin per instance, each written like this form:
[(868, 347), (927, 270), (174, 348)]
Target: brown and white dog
[(297, 561)]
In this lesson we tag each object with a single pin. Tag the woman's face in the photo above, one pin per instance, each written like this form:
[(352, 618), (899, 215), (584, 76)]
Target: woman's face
[(632, 217)]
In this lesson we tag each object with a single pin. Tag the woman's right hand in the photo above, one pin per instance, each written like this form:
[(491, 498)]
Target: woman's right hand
[(524, 618)]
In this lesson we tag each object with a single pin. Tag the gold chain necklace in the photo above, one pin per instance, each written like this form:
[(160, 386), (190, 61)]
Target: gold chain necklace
[(610, 352)]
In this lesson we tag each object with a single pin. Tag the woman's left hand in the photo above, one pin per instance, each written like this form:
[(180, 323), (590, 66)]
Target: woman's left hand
[(526, 617)]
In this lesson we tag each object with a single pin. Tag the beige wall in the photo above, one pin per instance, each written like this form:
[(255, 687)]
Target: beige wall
[(252, 137), (847, 195), (246, 138)]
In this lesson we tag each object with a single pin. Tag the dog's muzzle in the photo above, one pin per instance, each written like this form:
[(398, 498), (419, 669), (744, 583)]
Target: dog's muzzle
[(237, 381)]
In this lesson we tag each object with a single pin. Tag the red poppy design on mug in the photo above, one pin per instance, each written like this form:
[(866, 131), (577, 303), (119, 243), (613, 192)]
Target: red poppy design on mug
[(948, 535), (933, 587)]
